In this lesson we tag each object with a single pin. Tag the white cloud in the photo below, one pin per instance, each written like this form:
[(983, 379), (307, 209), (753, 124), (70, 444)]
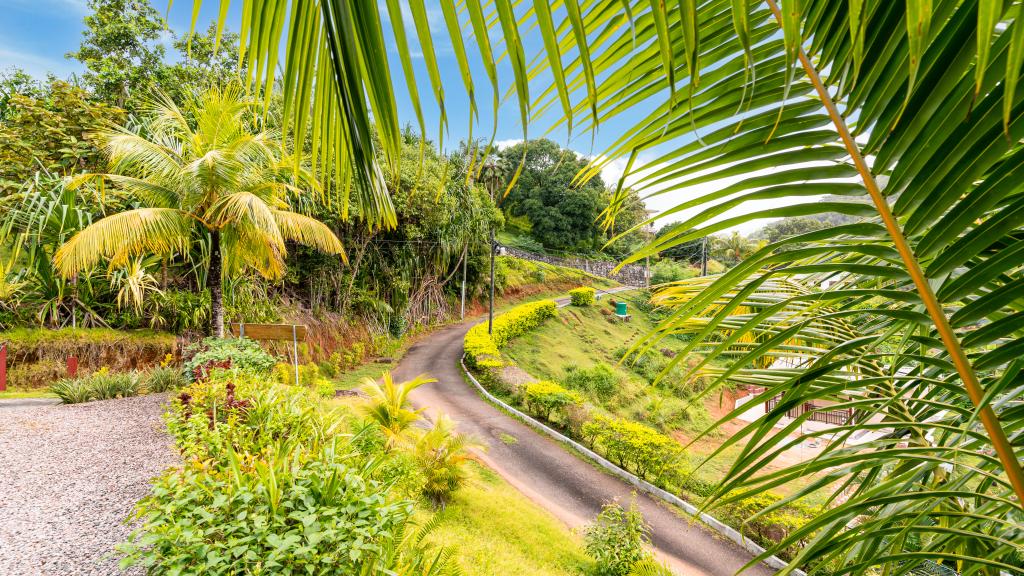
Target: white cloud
[(34, 64), (502, 144)]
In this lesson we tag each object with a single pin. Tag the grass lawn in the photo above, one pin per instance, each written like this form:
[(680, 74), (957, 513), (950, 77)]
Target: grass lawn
[(582, 337), (494, 529), (497, 530)]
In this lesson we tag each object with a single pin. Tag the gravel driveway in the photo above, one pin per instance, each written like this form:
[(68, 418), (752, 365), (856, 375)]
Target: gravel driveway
[(69, 476)]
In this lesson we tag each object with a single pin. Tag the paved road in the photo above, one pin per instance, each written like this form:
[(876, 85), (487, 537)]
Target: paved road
[(547, 473)]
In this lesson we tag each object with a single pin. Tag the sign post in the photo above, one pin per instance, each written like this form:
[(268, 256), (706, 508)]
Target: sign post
[(294, 332)]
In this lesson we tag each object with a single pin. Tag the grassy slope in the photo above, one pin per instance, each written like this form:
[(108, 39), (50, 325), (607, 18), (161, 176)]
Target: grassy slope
[(494, 528), (582, 337), (497, 530)]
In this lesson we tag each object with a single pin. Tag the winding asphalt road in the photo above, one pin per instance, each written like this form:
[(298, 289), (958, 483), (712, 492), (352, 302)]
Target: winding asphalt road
[(567, 486)]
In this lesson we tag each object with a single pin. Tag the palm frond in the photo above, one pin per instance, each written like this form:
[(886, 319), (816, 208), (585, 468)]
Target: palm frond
[(160, 231), (308, 232)]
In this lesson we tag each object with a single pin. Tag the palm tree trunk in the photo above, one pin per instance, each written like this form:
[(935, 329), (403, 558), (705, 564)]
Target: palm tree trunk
[(215, 281)]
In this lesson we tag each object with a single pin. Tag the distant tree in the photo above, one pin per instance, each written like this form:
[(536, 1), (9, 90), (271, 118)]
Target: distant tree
[(732, 248), (786, 227), (631, 213), (563, 216), (120, 52), (203, 63), (15, 81), (686, 252)]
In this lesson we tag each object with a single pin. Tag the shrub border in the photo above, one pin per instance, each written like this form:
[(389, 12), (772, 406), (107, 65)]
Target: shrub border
[(729, 532)]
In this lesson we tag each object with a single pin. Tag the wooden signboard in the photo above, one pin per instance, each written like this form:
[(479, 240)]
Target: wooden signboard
[(293, 332), (269, 331)]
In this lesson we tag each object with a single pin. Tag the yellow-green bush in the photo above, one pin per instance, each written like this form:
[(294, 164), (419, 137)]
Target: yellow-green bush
[(482, 349), (546, 397), (308, 373), (583, 296)]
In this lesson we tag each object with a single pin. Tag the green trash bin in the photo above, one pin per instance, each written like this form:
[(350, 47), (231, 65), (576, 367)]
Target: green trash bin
[(620, 308)]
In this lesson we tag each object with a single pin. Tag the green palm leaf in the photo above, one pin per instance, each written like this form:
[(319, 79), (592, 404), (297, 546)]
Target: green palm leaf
[(917, 326)]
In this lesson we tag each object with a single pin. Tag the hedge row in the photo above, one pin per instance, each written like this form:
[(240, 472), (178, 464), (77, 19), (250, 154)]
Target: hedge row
[(482, 349)]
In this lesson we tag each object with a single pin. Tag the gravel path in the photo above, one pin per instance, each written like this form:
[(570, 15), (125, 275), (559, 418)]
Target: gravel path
[(69, 476)]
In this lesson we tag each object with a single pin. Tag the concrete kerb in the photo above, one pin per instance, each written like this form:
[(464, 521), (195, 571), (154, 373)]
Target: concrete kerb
[(731, 533)]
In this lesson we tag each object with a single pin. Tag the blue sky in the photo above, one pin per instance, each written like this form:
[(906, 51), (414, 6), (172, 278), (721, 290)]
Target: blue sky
[(36, 34)]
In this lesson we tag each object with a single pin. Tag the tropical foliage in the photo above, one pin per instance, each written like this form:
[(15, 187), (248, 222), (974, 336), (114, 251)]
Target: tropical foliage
[(831, 95), (274, 479), (583, 296), (389, 404), (206, 173)]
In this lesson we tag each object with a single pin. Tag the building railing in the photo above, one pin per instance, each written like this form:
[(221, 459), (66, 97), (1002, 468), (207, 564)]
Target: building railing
[(837, 416)]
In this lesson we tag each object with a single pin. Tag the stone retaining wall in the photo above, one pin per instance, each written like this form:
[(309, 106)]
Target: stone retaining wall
[(630, 274)]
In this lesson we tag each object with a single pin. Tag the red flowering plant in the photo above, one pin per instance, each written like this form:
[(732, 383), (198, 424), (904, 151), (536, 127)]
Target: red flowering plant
[(204, 416)]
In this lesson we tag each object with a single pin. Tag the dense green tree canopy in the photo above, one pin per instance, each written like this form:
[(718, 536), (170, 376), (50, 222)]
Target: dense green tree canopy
[(51, 129), (120, 51), (563, 216)]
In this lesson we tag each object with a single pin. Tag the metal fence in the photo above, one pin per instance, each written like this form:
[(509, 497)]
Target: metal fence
[(817, 413)]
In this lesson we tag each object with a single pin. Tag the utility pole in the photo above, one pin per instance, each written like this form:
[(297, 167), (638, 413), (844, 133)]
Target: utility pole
[(492, 177), (704, 257), (490, 311), (465, 256)]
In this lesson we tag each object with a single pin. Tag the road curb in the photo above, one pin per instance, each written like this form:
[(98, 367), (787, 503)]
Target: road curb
[(773, 562)]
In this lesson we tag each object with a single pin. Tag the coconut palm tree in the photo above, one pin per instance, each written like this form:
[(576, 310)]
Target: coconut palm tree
[(206, 174), (732, 248), (906, 114)]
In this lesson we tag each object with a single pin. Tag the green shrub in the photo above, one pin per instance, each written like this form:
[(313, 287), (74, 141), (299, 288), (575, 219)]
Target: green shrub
[(108, 385), (584, 296), (164, 379), (482, 349), (274, 484), (324, 388), (100, 385), (671, 271), (599, 380), (328, 368), (546, 397), (240, 353), (641, 449), (309, 373), (617, 539), (769, 528), (72, 390), (287, 516), (444, 455)]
